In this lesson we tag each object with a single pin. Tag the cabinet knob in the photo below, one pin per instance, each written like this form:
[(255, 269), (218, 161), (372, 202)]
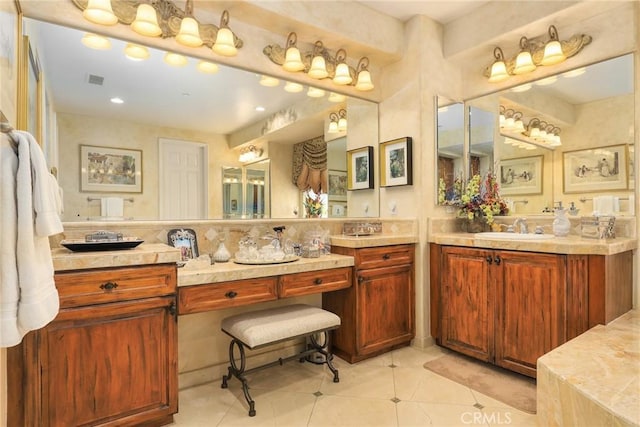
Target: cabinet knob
[(498, 260), (109, 286), (360, 279), (318, 281), (231, 294), (386, 257), (489, 259)]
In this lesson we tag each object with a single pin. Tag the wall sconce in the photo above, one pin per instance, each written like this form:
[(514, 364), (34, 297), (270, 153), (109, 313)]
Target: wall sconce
[(338, 121), (537, 132), (320, 64), (250, 154), (342, 122), (511, 121), (293, 60), (163, 18), (333, 123), (534, 53)]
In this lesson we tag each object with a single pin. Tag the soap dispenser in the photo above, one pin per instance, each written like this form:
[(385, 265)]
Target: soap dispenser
[(561, 224)]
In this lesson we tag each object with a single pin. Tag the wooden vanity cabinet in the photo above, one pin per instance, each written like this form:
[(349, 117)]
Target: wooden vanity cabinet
[(378, 310), (510, 307), (110, 362)]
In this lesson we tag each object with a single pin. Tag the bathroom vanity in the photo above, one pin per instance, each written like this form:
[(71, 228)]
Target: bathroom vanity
[(510, 302)]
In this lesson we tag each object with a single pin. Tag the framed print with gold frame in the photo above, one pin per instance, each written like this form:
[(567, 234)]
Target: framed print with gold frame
[(360, 168)]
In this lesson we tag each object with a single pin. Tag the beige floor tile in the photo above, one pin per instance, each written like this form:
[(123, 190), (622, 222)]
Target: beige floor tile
[(500, 415), (363, 381), (422, 385), (292, 376), (203, 404), (335, 411), (411, 357)]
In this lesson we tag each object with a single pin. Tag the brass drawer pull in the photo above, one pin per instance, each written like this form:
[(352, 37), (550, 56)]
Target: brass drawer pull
[(109, 286), (231, 294), (318, 281)]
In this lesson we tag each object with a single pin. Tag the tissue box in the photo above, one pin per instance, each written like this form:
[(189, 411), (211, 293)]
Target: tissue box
[(598, 227)]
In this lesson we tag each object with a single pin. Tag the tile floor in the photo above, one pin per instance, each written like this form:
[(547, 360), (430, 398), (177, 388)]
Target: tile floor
[(393, 389)]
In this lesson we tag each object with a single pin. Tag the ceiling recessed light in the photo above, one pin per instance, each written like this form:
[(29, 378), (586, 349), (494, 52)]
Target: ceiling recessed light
[(260, 108), (117, 100)]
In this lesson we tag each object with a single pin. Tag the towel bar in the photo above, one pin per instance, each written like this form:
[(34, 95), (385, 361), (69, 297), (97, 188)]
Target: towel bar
[(93, 199)]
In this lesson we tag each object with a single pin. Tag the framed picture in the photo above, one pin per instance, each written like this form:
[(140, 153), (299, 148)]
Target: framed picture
[(395, 162), (337, 185), (360, 168), (521, 176), (110, 169), (631, 166), (595, 169), (186, 240)]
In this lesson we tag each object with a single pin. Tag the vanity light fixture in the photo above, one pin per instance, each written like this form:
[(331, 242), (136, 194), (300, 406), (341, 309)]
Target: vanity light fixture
[(553, 49), (342, 122), (318, 69), (315, 92), (175, 59), (136, 52), (269, 81), (146, 22), (95, 41), (499, 68), (100, 12), (163, 18), (293, 87), (333, 123), (293, 59), (363, 79), (524, 61), (250, 154), (343, 74)]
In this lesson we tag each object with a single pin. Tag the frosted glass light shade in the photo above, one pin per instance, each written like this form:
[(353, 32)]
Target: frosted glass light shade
[(207, 67), (524, 63), (100, 12), (225, 44), (146, 22), (136, 52), (518, 126), (293, 60), (498, 72), (269, 81), (293, 87), (343, 76), (175, 59), (342, 124), (552, 53), (94, 41), (364, 82), (318, 68), (189, 34), (333, 127)]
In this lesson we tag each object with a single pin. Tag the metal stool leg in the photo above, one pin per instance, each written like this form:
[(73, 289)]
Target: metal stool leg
[(238, 373), (324, 349)]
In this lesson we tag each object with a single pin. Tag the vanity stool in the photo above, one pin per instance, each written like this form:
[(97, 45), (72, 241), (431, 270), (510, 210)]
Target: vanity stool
[(260, 328)]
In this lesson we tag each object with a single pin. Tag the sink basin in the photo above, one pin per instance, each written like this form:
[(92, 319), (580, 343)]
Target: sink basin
[(511, 236)]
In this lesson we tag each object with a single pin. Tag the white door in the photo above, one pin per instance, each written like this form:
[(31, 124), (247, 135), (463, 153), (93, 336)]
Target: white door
[(183, 179)]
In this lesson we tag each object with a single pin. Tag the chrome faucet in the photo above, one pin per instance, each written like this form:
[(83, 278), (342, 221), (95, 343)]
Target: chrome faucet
[(277, 239), (520, 225)]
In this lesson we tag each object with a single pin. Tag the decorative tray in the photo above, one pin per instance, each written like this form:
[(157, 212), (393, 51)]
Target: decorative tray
[(79, 245), (263, 262)]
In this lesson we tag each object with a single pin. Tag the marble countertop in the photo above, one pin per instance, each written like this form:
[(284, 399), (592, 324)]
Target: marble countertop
[(147, 253), (373, 240), (572, 245), (602, 366), (223, 272)]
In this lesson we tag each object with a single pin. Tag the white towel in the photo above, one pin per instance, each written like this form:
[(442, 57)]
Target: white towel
[(28, 216), (604, 205), (112, 207)]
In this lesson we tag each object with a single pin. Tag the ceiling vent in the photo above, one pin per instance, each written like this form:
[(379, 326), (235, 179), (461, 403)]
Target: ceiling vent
[(95, 80)]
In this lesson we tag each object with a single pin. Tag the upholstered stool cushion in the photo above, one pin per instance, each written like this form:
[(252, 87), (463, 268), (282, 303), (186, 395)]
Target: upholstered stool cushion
[(277, 324)]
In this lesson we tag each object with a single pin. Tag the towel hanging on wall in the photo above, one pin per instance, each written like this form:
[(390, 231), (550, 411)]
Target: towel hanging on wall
[(112, 207)]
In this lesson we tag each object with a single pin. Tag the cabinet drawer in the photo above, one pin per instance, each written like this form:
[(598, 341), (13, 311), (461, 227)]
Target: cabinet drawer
[(314, 282), (87, 287), (217, 296), (384, 256)]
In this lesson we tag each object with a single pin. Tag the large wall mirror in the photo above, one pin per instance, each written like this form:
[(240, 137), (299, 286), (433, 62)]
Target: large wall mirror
[(228, 111), (591, 109)]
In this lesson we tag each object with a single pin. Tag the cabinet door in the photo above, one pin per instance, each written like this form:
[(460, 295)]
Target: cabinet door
[(467, 307), (110, 364), (385, 308), (530, 308)]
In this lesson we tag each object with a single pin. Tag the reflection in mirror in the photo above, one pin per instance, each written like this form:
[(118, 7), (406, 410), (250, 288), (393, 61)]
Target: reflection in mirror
[(245, 191), (219, 110), (449, 147), (481, 137), (594, 108)]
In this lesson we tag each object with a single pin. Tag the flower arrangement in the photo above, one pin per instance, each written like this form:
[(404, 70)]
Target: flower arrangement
[(313, 205), (479, 199)]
